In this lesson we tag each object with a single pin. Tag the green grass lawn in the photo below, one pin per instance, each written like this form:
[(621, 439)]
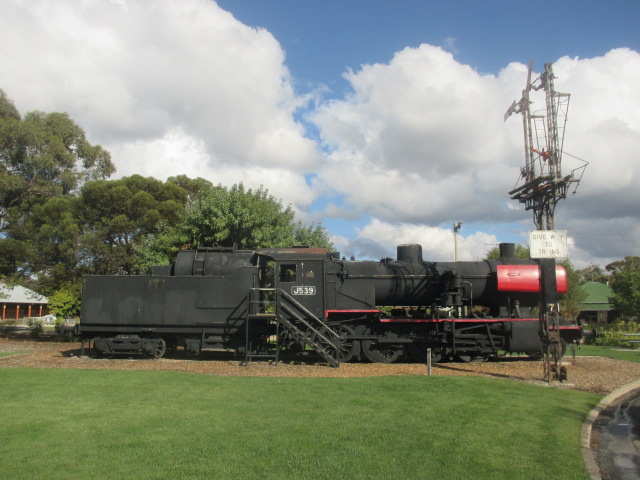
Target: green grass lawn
[(6, 354), (611, 352), (79, 424)]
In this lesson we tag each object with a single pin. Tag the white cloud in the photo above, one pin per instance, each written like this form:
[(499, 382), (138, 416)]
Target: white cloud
[(422, 141), (183, 87), (421, 137), (379, 239), (137, 75)]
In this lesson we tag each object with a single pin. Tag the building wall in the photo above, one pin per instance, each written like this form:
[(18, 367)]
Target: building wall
[(594, 316), (18, 311)]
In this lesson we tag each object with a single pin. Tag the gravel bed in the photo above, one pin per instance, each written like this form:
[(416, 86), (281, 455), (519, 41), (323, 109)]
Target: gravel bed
[(591, 374)]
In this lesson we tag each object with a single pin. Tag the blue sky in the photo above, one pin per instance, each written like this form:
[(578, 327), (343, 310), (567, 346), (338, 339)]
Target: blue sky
[(324, 38), (382, 120)]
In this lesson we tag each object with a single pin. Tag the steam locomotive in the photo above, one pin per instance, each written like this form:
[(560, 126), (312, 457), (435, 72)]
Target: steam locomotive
[(260, 303)]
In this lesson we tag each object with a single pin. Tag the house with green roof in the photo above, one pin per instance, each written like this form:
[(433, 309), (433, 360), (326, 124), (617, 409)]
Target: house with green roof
[(596, 308)]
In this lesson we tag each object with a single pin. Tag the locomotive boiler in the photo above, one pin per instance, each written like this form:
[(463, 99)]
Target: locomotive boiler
[(260, 303)]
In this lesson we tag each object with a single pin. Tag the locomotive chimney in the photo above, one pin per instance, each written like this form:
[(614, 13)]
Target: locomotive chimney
[(410, 253), (508, 251)]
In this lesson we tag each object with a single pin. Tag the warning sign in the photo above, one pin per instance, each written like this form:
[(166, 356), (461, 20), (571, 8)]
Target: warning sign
[(548, 244)]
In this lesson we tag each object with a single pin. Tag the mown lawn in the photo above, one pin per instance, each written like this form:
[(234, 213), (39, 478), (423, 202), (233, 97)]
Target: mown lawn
[(6, 354), (610, 352), (79, 424)]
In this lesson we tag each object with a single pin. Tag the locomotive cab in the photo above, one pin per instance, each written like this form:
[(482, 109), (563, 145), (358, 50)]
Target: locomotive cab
[(299, 273)]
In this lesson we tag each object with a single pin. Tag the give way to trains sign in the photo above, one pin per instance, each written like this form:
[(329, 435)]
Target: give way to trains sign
[(548, 244)]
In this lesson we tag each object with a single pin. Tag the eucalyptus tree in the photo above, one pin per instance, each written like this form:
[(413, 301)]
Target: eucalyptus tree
[(43, 156)]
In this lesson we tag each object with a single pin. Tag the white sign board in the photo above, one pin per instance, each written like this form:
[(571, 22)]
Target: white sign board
[(548, 244)]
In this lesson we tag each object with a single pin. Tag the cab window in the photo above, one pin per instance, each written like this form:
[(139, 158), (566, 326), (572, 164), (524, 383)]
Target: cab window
[(287, 273)]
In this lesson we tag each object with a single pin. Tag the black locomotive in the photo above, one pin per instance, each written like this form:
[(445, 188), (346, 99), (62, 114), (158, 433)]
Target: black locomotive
[(263, 302)]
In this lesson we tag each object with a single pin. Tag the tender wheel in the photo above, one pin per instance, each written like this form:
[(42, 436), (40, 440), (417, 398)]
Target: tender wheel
[(464, 358), (160, 349), (377, 352), (349, 348)]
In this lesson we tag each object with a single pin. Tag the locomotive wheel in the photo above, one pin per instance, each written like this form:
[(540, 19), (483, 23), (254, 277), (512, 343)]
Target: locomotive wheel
[(464, 358), (381, 352), (419, 353), (160, 349), (348, 348)]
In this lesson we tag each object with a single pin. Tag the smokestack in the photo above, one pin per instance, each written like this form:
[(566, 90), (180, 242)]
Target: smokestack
[(508, 251), (410, 253)]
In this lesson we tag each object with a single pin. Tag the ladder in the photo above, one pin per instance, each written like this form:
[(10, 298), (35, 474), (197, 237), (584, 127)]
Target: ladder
[(291, 315)]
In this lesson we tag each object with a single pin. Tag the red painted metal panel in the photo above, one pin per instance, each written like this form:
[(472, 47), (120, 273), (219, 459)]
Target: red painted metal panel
[(561, 279), (526, 278)]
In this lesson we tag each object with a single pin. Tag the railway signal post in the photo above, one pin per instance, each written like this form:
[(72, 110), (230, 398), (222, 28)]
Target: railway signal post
[(540, 187), (546, 246)]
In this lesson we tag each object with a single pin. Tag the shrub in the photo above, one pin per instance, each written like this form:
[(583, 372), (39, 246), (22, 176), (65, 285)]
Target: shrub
[(36, 325), (7, 326), (613, 335), (65, 302)]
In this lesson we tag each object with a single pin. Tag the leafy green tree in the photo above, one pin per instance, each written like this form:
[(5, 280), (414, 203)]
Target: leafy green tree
[(66, 237), (312, 235), (625, 283), (8, 109), (192, 185), (43, 155), (116, 215), (54, 243), (65, 302), (522, 252), (237, 216), (13, 255), (571, 302), (593, 273)]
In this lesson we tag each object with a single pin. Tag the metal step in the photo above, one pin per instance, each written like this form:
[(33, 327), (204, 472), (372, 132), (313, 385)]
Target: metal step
[(317, 346), (300, 322)]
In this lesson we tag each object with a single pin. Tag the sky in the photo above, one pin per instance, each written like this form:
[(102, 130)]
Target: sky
[(381, 120)]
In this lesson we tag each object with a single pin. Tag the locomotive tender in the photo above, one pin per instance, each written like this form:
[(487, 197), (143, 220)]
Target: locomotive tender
[(261, 302)]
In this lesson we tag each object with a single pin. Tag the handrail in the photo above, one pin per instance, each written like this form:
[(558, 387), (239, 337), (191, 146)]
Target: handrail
[(314, 331), (312, 328), (304, 310)]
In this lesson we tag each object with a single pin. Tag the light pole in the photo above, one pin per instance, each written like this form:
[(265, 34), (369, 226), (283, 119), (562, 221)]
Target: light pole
[(456, 226)]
